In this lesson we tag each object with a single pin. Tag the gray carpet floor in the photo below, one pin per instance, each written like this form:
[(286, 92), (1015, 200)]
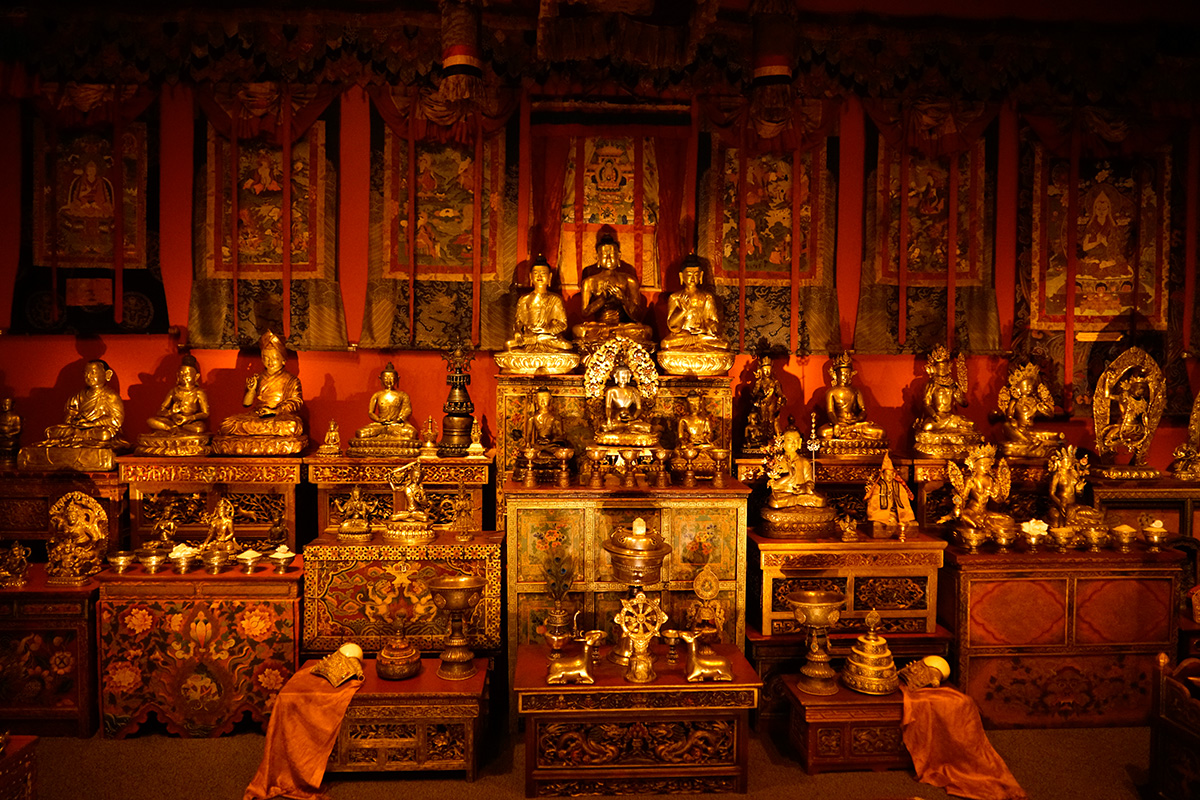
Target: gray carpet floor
[(1088, 764)]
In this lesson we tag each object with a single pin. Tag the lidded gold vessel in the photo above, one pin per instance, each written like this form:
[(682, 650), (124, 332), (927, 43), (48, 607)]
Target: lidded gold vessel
[(870, 669), (637, 554)]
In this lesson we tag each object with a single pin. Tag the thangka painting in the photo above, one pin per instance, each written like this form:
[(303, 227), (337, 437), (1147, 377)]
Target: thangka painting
[(769, 228), (443, 226), (610, 183), (1123, 231), (75, 215), (316, 318), (925, 272)]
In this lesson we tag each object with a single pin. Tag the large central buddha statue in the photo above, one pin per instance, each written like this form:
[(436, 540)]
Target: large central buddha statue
[(695, 344), (271, 426), (389, 433), (612, 300)]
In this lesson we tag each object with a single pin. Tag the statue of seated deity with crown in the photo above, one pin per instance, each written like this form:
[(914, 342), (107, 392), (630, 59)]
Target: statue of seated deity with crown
[(940, 431), (848, 432), (1023, 399), (696, 344), (795, 509), (270, 426)]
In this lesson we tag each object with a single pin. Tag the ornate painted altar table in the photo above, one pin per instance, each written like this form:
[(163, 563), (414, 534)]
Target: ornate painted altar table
[(616, 737), (197, 650)]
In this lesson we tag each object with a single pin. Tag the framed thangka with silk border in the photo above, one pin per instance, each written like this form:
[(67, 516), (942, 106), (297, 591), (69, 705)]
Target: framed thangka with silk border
[(611, 182), (316, 318), (443, 225), (1121, 272), (768, 228), (907, 243), (83, 201)]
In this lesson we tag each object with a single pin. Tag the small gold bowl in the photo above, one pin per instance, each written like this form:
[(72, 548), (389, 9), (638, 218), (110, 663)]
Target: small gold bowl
[(1122, 536), (1154, 538), (973, 538), (1096, 537), (281, 561), (152, 561), (182, 565), (248, 563), (1063, 536), (121, 560)]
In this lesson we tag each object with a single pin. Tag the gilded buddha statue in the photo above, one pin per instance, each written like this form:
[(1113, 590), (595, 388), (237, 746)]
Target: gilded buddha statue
[(624, 413), (537, 346), (795, 509), (695, 344), (10, 431), (271, 426), (941, 432), (1020, 401), (90, 434), (848, 432), (389, 433), (612, 300), (180, 428)]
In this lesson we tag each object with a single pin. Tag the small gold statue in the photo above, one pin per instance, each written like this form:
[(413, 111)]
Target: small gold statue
[(1067, 479), (410, 524), (14, 566), (220, 529), (766, 401), (849, 432), (78, 539), (623, 413), (696, 344), (1020, 402), (356, 518), (90, 433), (941, 432), (795, 509), (462, 524), (537, 346), (1126, 408), (271, 427), (332, 446), (10, 431), (985, 481), (180, 428), (704, 665), (888, 498), (546, 448), (389, 434), (612, 300), (578, 668)]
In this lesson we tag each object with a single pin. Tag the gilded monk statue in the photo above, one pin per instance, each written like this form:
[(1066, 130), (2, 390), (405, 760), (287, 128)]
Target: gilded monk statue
[(273, 396)]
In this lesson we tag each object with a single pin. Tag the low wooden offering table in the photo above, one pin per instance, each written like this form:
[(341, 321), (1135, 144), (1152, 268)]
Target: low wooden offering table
[(419, 723), (847, 730), (617, 737)]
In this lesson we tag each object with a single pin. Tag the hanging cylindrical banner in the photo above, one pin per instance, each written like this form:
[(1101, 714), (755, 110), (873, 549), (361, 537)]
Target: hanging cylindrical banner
[(462, 57), (774, 46)]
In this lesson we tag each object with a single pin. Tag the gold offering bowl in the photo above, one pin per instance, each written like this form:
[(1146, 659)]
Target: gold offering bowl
[(1004, 536), (248, 562), (1033, 539), (281, 561), (973, 538), (1154, 538), (1122, 537), (121, 560), (182, 564), (1096, 536), (215, 560), (637, 554), (152, 560), (457, 594), (1063, 536), (816, 611)]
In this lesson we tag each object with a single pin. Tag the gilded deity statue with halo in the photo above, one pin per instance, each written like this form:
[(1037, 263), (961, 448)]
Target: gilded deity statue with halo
[(1127, 405), (940, 431), (271, 425), (390, 433), (1020, 401), (180, 428), (983, 482), (90, 435), (538, 346), (695, 344), (849, 432)]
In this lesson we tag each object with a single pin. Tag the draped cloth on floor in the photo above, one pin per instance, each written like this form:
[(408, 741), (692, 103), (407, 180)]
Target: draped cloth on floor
[(303, 728), (944, 735)]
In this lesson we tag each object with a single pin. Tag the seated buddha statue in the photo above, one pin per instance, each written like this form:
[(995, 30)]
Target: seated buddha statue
[(389, 433), (271, 426), (612, 300), (180, 428), (1020, 401), (848, 431), (941, 432), (90, 433), (795, 509), (537, 346), (623, 423), (10, 430), (695, 344)]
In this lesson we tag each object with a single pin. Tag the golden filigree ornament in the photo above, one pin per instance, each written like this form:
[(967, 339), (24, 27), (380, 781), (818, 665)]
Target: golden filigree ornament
[(78, 539), (1126, 407), (928, 673), (343, 664), (640, 620)]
